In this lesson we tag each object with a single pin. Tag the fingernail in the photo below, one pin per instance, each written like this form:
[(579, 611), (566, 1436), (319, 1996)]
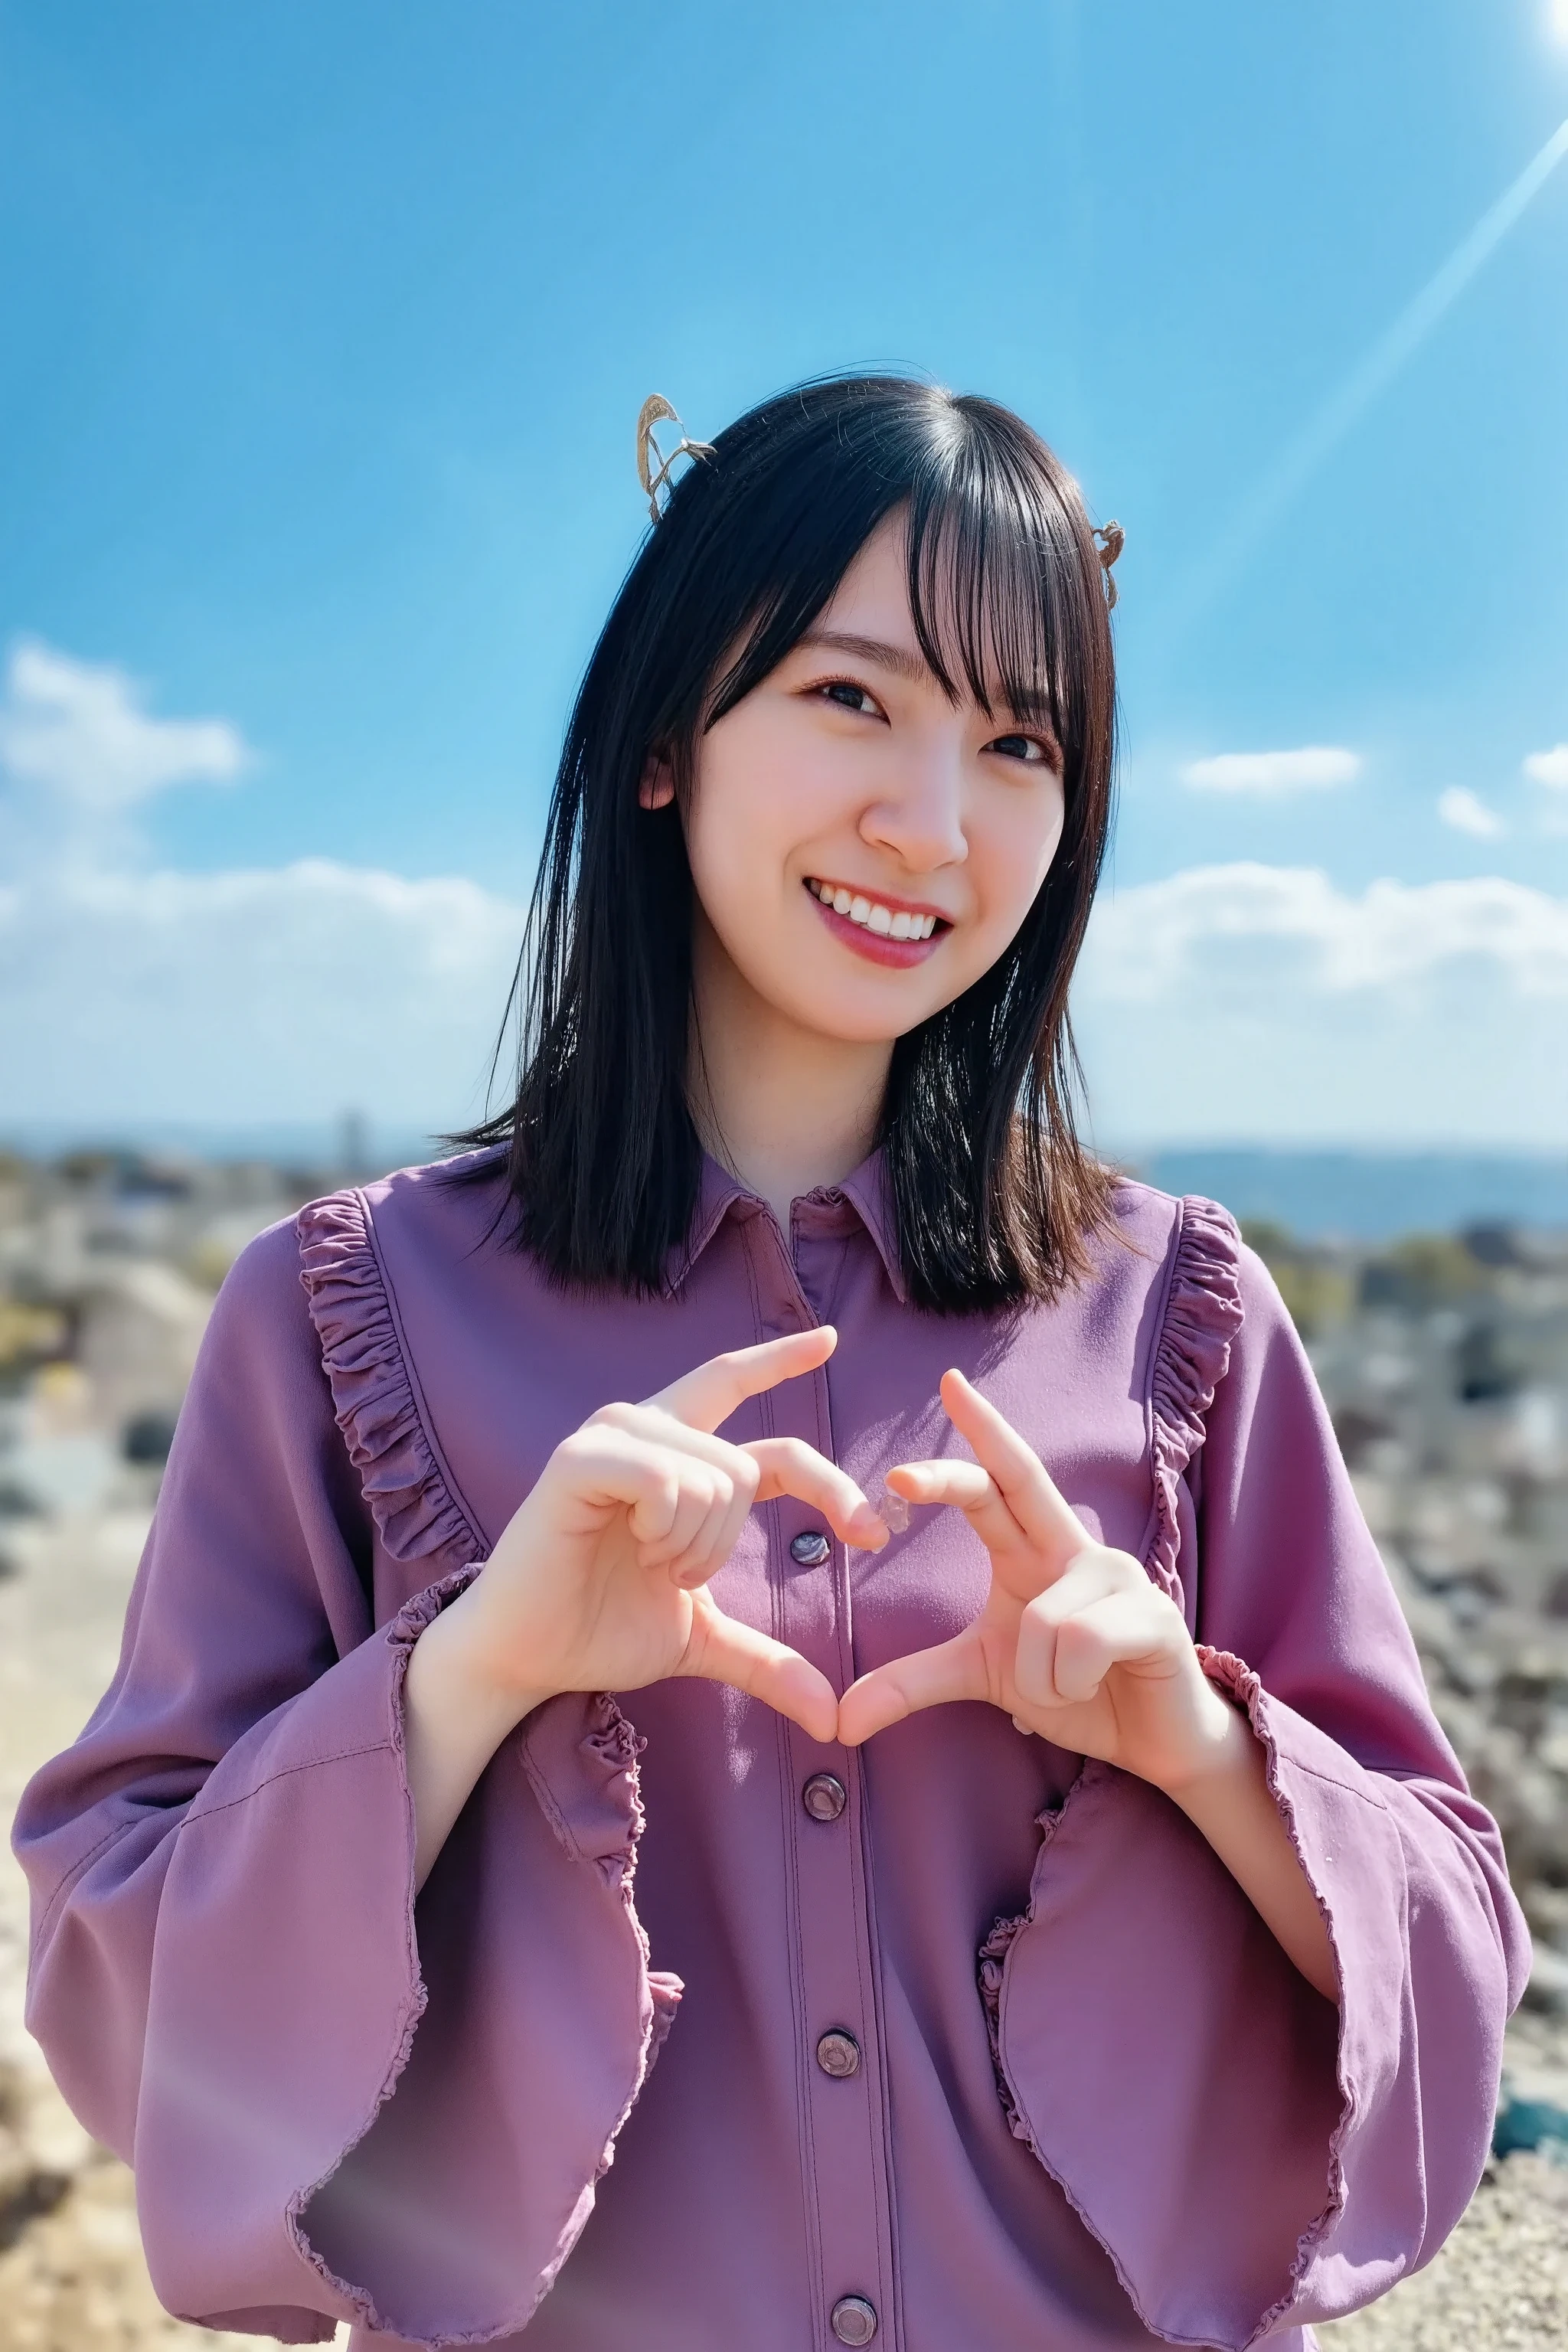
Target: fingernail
[(895, 1510)]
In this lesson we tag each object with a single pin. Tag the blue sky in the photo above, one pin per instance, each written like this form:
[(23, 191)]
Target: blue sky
[(326, 329)]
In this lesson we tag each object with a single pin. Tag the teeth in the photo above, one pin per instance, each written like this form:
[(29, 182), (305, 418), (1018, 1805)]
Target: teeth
[(872, 915)]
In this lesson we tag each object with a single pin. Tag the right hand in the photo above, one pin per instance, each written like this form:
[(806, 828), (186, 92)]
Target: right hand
[(600, 1579)]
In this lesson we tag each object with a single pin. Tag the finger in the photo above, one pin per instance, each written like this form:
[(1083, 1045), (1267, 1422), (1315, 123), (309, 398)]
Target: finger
[(1121, 1629), (709, 1393), (703, 1496), (723, 1475), (888, 1693), (601, 1468), (718, 1484), (790, 1466), (666, 1491), (1026, 1486), (968, 1488), (722, 1650), (712, 1544), (1085, 1580), (657, 1426)]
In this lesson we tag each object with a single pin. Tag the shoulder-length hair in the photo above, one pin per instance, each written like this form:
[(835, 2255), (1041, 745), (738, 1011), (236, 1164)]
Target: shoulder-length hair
[(993, 1192)]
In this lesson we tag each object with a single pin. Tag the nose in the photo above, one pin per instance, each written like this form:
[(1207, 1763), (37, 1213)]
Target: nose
[(919, 815)]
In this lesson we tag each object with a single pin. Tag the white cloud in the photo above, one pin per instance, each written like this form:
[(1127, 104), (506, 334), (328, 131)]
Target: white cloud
[(1468, 813), (225, 999), (1394, 933), (1272, 775), (1254, 1002), (1549, 767), (129, 996), (80, 731)]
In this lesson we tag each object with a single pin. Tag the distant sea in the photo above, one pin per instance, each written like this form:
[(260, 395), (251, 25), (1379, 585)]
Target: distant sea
[(1362, 1195), (1355, 1195)]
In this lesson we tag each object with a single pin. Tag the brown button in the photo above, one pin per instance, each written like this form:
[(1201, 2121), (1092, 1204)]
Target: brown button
[(838, 2054), (823, 1796), (809, 1549), (853, 2319)]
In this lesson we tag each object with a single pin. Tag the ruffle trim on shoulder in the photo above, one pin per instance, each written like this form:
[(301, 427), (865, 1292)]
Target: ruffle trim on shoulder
[(373, 1391), (1203, 1316)]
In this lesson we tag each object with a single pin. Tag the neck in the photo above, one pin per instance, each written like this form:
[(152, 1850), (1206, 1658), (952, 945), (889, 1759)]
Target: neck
[(782, 1107)]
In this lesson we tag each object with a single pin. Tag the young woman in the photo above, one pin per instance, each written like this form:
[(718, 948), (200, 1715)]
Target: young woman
[(781, 1464)]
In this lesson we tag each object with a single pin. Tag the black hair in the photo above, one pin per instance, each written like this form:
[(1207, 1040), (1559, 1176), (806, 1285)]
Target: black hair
[(993, 1192)]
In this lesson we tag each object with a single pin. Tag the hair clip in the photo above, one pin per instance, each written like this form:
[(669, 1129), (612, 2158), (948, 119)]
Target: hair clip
[(655, 477), (1110, 542)]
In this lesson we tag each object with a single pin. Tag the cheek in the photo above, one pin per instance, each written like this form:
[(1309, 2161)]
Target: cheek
[(763, 787), (730, 824), (1011, 854)]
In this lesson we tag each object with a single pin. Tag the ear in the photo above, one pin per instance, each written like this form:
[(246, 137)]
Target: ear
[(657, 789)]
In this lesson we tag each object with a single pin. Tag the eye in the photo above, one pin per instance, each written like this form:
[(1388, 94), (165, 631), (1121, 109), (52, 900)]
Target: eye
[(1028, 748), (847, 696)]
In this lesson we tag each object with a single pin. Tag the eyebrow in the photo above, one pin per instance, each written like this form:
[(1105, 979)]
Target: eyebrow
[(897, 658), (913, 666)]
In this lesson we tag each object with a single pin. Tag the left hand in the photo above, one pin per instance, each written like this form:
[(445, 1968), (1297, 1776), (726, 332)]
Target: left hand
[(1074, 1642)]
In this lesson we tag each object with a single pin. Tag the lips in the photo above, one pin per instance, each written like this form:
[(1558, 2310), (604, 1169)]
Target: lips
[(887, 931), (886, 917)]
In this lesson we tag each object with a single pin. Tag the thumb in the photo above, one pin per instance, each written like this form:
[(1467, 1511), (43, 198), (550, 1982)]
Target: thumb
[(951, 1670), (722, 1650)]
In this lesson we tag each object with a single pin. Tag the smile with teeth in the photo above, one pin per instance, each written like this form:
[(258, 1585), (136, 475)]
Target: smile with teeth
[(870, 913)]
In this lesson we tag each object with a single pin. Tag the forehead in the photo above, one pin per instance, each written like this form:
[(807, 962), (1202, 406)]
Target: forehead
[(877, 582)]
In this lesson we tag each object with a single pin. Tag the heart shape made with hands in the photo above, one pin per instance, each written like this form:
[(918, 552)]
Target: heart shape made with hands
[(1073, 1641)]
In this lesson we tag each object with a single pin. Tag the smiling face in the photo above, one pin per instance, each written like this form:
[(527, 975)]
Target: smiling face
[(862, 847)]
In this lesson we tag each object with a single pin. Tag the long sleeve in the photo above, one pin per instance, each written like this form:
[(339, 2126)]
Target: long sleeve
[(338, 2106), (1253, 2158)]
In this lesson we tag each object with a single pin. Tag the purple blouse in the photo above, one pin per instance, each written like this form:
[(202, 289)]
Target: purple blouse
[(979, 2045)]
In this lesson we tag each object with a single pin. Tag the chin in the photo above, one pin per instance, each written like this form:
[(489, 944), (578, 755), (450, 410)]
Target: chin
[(863, 1025)]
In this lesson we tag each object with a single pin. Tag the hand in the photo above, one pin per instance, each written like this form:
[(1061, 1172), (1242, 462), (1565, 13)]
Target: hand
[(600, 1579), (1073, 1641)]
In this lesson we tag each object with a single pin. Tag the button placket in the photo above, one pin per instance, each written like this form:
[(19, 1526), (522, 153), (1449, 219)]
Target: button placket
[(844, 2144)]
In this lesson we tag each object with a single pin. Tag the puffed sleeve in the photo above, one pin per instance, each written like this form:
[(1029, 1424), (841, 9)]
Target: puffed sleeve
[(1253, 2157), (338, 2106)]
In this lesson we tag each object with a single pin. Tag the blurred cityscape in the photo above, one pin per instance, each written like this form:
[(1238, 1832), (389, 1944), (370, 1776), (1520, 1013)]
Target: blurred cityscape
[(1443, 1355)]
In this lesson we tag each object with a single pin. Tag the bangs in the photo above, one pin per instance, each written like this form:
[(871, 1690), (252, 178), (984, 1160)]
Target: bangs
[(992, 580)]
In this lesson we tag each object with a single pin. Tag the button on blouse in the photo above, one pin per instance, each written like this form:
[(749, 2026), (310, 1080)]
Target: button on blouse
[(823, 1796)]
